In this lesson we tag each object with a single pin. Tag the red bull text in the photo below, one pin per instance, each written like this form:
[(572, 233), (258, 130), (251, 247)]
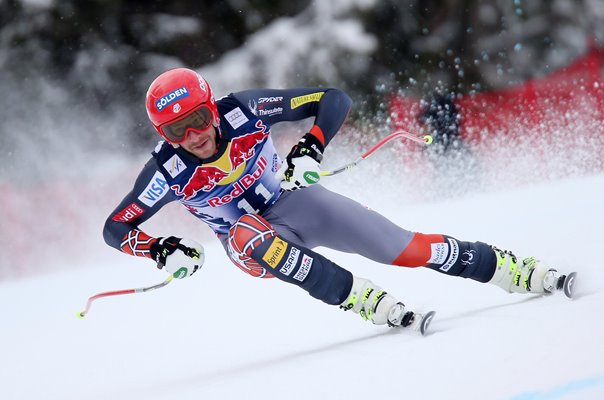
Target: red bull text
[(239, 187)]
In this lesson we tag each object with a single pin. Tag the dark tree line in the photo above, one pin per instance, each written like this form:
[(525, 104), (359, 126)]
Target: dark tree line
[(105, 52)]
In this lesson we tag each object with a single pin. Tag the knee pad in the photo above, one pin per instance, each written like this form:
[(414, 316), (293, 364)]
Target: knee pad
[(245, 235), (249, 266), (256, 248)]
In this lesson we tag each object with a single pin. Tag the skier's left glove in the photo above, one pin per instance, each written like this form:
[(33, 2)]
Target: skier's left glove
[(301, 166), (179, 257)]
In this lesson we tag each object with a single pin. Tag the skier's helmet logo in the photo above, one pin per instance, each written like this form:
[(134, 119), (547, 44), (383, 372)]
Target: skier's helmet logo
[(176, 94)]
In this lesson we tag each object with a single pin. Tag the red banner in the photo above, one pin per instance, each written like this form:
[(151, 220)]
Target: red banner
[(559, 112)]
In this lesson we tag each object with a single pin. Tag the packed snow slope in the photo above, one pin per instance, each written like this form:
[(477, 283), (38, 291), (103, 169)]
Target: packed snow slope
[(224, 335)]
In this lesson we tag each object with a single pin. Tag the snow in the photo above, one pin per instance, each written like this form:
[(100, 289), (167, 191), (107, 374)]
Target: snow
[(224, 335)]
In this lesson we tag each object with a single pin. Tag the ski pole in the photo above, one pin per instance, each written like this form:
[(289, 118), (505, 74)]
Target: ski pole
[(426, 139), (83, 313)]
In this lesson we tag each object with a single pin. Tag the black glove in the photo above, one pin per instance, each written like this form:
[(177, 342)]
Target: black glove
[(301, 167), (180, 257)]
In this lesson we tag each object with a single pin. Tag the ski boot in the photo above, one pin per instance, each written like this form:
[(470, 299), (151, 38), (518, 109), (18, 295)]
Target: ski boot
[(374, 304), (529, 275)]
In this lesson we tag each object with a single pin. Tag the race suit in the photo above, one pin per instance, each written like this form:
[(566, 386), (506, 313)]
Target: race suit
[(268, 232)]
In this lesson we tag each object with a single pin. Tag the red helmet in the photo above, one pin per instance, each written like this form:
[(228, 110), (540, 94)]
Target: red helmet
[(178, 94)]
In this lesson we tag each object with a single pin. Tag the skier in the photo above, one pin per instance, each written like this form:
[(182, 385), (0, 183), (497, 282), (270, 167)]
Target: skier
[(219, 161)]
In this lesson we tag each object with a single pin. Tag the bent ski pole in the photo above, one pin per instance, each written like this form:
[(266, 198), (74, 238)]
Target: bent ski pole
[(426, 139), (83, 313)]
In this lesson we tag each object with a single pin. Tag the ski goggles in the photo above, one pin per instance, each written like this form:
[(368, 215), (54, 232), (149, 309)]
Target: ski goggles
[(177, 131)]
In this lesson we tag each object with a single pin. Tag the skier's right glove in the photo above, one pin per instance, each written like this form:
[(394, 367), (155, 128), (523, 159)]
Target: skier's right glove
[(179, 257)]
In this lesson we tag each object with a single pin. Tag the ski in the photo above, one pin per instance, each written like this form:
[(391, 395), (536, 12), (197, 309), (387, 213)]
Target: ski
[(425, 322), (568, 284), (421, 322)]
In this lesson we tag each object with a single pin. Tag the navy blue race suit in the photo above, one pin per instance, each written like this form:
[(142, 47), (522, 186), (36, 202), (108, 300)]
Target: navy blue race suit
[(265, 231)]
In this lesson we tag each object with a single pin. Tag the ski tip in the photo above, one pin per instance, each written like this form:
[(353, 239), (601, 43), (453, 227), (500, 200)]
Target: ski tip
[(569, 285), (426, 319)]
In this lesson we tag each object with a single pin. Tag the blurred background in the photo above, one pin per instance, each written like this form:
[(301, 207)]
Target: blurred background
[(493, 80)]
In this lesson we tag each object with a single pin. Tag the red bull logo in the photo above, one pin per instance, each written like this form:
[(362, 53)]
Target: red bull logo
[(205, 178), (241, 149)]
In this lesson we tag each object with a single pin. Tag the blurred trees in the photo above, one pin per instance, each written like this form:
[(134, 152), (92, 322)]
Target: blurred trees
[(105, 46), (478, 44), (102, 54)]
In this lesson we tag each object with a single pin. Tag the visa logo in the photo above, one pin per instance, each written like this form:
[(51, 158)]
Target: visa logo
[(155, 190)]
